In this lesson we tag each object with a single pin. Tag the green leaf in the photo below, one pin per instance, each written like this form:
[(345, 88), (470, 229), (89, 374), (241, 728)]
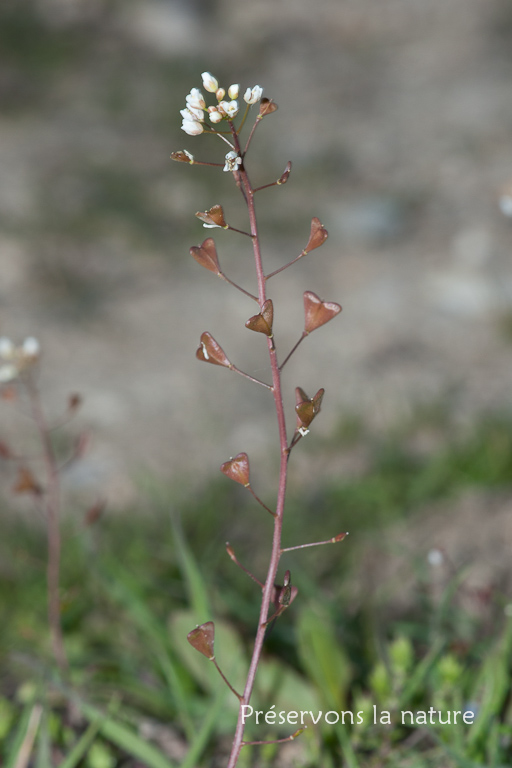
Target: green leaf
[(323, 658)]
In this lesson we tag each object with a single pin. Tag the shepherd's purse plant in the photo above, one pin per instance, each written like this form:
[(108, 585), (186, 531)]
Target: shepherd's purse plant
[(226, 118)]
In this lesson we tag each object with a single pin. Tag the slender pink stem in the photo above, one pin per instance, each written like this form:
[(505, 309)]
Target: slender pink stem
[(275, 556), (52, 508), (236, 561), (221, 673)]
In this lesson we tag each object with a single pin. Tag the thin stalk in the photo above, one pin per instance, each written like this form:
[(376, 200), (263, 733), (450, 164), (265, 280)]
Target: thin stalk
[(248, 376), (334, 540), (238, 287), (292, 351), (52, 510), (281, 269), (275, 556), (249, 488)]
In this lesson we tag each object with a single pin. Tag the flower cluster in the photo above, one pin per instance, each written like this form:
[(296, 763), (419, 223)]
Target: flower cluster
[(195, 111), (17, 359)]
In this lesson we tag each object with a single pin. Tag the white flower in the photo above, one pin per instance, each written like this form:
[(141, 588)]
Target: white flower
[(252, 95), (195, 99), (214, 115), (210, 84), (31, 347), (233, 160), (435, 558), (233, 91), (230, 108), (19, 358)]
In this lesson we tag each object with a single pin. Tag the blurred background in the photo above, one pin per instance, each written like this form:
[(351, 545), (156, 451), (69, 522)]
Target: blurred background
[(397, 117)]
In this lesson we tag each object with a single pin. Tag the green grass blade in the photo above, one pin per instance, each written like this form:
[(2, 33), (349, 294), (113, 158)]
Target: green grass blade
[(192, 576), (24, 737), (126, 739)]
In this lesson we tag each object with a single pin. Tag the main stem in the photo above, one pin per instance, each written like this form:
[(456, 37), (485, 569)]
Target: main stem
[(283, 443), (52, 509)]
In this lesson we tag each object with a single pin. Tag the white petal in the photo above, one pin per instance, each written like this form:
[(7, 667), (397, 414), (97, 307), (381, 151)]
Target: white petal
[(233, 91), (230, 108), (192, 127), (196, 99), (31, 347), (210, 84), (252, 95)]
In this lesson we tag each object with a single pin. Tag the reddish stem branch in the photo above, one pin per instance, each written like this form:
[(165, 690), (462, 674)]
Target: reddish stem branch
[(292, 351), (281, 269), (238, 287), (52, 510), (275, 556), (231, 553), (249, 488)]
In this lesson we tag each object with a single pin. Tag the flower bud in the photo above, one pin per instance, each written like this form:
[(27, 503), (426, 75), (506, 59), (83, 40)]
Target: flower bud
[(214, 115), (219, 95), (210, 84), (202, 639), (318, 312), (233, 91), (237, 469)]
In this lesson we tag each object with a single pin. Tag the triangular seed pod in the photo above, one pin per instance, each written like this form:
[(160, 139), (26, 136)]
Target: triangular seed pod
[(213, 218), (267, 106), (206, 255), (318, 235), (202, 638), (307, 408), (318, 312), (211, 352), (262, 322), (237, 469), (26, 482)]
